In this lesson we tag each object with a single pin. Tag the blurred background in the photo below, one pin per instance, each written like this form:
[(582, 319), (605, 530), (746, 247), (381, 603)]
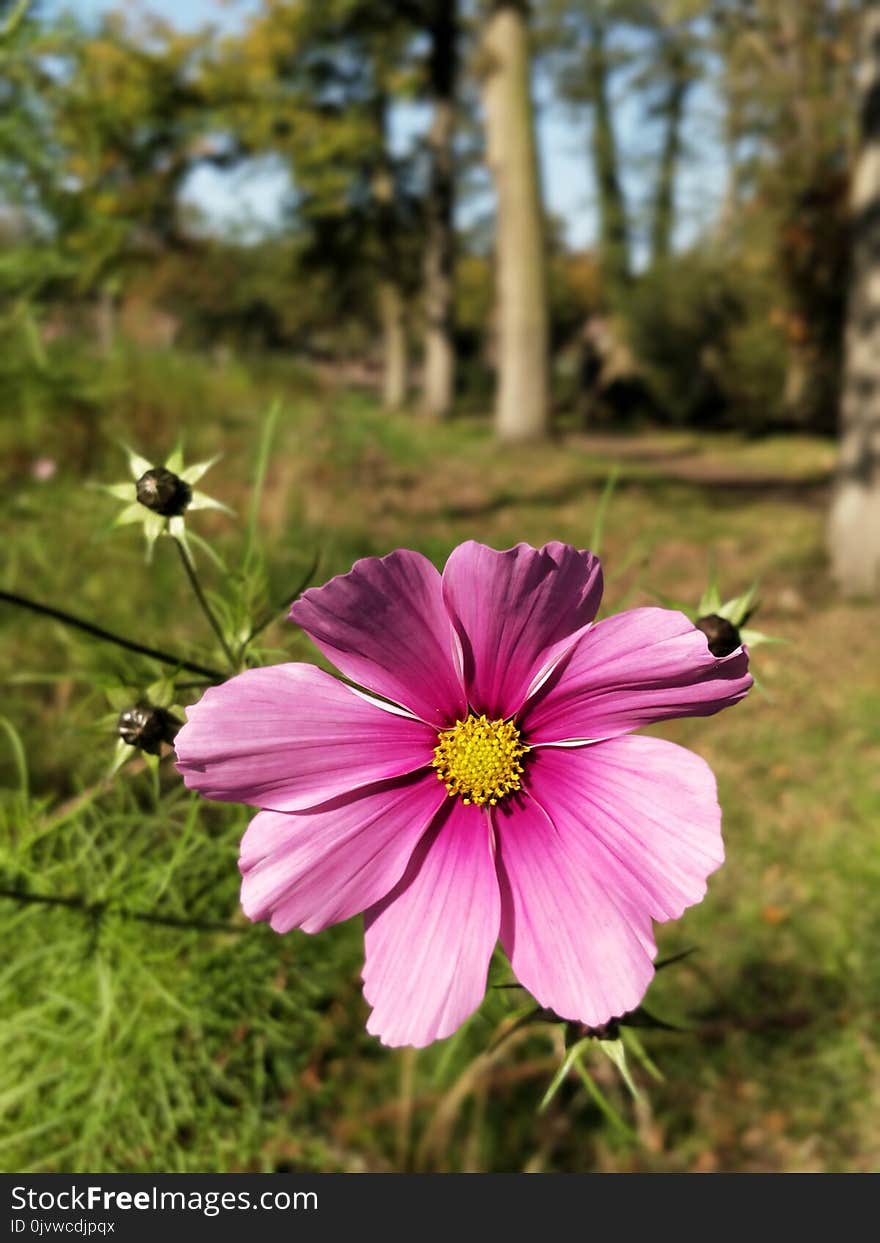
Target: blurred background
[(484, 258)]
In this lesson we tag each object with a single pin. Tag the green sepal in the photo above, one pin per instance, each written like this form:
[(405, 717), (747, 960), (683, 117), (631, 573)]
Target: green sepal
[(137, 464), (567, 1063), (739, 609), (201, 500), (192, 474), (121, 755), (754, 638), (119, 491), (174, 461), (614, 1050), (710, 601), (635, 1046), (132, 513), (161, 693)]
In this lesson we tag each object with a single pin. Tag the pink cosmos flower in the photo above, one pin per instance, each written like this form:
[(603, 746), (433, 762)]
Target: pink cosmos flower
[(485, 783)]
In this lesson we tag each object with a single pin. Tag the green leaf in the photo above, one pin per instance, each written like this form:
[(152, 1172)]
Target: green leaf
[(670, 602), (602, 509), (270, 422), (203, 545), (18, 753)]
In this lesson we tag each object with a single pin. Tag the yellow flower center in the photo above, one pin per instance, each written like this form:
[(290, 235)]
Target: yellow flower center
[(480, 759)]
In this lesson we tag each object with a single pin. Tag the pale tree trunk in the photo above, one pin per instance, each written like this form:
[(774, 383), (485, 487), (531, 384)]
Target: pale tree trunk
[(392, 301), (392, 312), (854, 526), (522, 408), (439, 377)]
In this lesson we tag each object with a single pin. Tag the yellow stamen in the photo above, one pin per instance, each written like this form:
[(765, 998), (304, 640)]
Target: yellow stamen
[(480, 759)]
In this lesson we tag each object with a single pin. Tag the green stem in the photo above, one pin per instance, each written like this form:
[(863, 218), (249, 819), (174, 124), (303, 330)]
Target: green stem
[(98, 632), (205, 606)]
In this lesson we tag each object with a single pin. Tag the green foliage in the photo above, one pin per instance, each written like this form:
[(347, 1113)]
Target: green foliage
[(788, 81), (129, 121), (313, 84), (127, 1045), (702, 332)]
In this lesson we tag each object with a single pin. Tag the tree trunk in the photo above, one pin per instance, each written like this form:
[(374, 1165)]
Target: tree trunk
[(854, 527), (392, 312), (522, 407), (439, 365), (663, 220), (392, 301), (613, 231)]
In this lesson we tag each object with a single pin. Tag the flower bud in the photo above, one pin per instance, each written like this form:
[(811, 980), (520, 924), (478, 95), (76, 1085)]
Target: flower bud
[(723, 636), (165, 493), (146, 727)]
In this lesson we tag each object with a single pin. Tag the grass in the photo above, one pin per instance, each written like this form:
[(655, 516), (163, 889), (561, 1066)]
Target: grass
[(127, 1045)]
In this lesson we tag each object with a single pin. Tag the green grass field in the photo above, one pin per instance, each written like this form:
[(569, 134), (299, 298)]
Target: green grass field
[(132, 1045)]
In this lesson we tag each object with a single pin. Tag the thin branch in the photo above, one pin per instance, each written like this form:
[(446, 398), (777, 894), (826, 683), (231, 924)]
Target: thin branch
[(108, 636), (202, 599), (96, 909)]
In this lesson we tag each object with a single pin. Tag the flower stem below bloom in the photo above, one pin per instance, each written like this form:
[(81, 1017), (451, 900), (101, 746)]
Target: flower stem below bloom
[(203, 602)]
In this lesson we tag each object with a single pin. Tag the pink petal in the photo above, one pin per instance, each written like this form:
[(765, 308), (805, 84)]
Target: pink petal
[(629, 670), (580, 948), (512, 610), (312, 869), (640, 815), (384, 626), (291, 736), (429, 942)]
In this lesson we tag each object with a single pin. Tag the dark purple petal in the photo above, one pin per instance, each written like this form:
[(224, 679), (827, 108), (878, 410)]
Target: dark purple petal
[(514, 611), (384, 626)]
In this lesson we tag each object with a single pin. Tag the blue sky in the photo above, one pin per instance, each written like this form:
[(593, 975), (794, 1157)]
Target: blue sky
[(252, 197)]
